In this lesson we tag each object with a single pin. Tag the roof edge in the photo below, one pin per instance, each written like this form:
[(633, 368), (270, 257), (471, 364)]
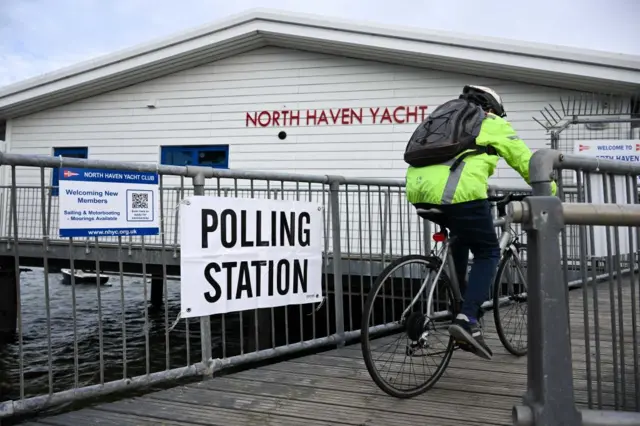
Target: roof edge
[(566, 54), (526, 48), (128, 53)]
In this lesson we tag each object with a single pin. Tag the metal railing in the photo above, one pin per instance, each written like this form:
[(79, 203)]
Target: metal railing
[(74, 341), (609, 330), (373, 212), (78, 341), (570, 121)]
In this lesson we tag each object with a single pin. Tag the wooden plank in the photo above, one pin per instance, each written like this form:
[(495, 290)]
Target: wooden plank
[(147, 411), (348, 385), (35, 424), (444, 406), (457, 382), (503, 367), (93, 417), (459, 369), (501, 356), (300, 404)]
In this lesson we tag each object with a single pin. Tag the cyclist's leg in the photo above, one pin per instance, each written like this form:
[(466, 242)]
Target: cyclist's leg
[(486, 256), (460, 254), (472, 223), (459, 249)]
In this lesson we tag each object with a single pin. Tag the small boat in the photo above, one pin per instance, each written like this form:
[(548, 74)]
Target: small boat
[(82, 277)]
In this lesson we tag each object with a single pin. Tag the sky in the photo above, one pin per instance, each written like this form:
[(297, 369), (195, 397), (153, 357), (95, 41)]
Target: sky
[(39, 36)]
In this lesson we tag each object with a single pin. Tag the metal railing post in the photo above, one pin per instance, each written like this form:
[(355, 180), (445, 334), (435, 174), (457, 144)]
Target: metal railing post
[(205, 322), (541, 167), (383, 225), (549, 396), (336, 238)]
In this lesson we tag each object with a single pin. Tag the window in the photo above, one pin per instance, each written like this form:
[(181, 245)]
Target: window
[(75, 152), (635, 112), (216, 156)]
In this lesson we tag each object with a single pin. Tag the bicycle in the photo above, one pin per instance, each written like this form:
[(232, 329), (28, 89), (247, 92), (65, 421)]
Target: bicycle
[(420, 326)]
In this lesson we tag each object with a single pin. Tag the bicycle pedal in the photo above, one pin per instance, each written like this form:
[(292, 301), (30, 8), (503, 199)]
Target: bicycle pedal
[(464, 346)]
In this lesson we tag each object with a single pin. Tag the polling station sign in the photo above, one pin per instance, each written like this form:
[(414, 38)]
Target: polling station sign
[(108, 203), (238, 254)]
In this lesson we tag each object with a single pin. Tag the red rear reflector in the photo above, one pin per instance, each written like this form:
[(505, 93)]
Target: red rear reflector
[(438, 237)]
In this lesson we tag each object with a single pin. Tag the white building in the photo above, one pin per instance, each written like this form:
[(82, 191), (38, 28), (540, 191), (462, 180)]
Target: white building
[(220, 95)]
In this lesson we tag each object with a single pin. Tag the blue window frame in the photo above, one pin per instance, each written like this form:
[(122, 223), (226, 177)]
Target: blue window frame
[(75, 152), (216, 156)]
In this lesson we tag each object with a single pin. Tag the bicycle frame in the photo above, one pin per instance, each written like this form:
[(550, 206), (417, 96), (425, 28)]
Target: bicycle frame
[(446, 261), (508, 235)]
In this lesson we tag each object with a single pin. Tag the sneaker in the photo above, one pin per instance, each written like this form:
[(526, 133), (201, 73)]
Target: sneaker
[(469, 337)]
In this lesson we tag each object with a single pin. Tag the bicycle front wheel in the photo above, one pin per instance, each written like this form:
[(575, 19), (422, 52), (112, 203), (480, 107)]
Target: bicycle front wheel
[(510, 304), (405, 341)]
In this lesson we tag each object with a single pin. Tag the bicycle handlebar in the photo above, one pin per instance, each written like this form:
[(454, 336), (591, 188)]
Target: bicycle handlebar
[(501, 201), (506, 199)]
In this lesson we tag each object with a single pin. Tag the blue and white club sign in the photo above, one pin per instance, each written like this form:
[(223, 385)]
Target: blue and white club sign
[(108, 203)]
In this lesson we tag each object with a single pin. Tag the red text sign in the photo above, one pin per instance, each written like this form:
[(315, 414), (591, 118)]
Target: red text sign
[(337, 116)]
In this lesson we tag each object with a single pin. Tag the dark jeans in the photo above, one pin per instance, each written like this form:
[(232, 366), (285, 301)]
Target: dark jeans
[(472, 225)]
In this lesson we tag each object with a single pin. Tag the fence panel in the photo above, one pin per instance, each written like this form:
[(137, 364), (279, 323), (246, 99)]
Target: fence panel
[(583, 118), (603, 318), (610, 317), (76, 340)]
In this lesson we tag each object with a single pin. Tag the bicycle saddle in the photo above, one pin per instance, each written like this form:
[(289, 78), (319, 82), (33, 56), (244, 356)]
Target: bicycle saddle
[(433, 215)]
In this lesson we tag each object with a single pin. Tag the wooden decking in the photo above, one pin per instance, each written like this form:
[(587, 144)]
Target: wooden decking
[(334, 387)]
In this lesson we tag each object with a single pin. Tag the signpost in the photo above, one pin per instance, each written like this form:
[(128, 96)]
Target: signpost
[(238, 254), (108, 203), (618, 150)]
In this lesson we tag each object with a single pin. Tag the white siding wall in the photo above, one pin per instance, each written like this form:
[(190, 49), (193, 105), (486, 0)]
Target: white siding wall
[(208, 105)]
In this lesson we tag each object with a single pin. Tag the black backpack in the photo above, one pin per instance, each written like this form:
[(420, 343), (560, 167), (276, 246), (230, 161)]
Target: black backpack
[(449, 130)]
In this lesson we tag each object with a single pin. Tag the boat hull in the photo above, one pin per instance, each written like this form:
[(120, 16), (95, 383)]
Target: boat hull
[(82, 278)]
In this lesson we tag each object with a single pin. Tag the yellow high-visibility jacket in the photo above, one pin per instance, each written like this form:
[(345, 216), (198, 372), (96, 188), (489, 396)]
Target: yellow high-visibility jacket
[(436, 184)]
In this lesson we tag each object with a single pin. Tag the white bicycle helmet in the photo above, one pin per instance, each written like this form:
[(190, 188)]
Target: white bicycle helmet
[(487, 98)]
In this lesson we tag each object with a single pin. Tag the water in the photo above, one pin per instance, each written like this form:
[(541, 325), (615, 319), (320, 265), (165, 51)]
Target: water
[(115, 364), (137, 354)]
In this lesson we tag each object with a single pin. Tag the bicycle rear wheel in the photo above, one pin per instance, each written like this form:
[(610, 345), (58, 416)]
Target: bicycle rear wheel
[(510, 288), (420, 338)]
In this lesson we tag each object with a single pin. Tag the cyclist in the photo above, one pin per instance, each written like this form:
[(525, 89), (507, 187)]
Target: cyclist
[(458, 187)]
